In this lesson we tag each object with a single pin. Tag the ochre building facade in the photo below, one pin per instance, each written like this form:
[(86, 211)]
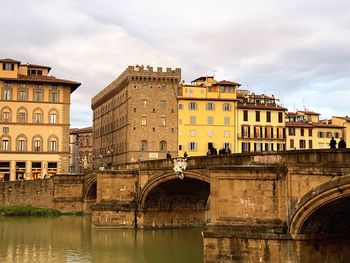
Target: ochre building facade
[(135, 117), (34, 120)]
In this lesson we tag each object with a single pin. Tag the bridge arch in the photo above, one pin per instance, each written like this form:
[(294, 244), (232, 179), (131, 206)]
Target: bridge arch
[(89, 192), (323, 212), (168, 201)]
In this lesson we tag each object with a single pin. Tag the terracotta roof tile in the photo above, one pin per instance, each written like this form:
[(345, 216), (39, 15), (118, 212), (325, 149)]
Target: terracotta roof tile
[(227, 83)]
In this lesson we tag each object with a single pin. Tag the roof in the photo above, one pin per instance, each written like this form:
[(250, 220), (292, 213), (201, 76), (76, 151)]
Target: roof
[(38, 66), (346, 118), (9, 60), (260, 106), (203, 78), (312, 125), (324, 125), (227, 83), (44, 79), (299, 124), (309, 112)]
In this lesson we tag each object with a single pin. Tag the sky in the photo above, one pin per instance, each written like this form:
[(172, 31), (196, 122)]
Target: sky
[(296, 50)]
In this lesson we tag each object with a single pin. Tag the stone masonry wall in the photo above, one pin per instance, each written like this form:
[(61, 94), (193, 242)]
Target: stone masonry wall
[(36, 193)]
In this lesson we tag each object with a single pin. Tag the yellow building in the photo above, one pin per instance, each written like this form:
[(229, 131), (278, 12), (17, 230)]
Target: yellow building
[(207, 116), (343, 122), (305, 131), (34, 120), (261, 123)]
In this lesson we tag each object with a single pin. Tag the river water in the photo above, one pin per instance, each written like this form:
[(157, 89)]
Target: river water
[(71, 239)]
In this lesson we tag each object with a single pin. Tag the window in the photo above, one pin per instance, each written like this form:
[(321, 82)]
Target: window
[(257, 116), (210, 120), (7, 94), (310, 132), (302, 144), (8, 66), (143, 145), (291, 142), (5, 130), (291, 131), (301, 131), (336, 135), (192, 119), (143, 121), (280, 117), (53, 96), (192, 133), (38, 95), (245, 115), (210, 106), (192, 106), (227, 134), (22, 117), (226, 120), (320, 135), (181, 147), (22, 95), (269, 147), (310, 144), (37, 117), (37, 145), (21, 145), (5, 145), (268, 116), (281, 147), (162, 104), (258, 147), (53, 118), (210, 133), (226, 107), (257, 132), (53, 146), (245, 131), (6, 116), (329, 134), (226, 146), (163, 146), (162, 121), (181, 106), (193, 146), (245, 147)]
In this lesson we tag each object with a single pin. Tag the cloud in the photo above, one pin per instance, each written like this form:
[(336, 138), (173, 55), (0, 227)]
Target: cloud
[(296, 50)]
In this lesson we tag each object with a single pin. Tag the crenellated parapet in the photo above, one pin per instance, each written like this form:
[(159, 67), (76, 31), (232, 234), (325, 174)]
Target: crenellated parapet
[(137, 74)]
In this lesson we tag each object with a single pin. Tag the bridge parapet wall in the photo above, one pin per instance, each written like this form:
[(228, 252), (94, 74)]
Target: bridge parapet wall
[(36, 193)]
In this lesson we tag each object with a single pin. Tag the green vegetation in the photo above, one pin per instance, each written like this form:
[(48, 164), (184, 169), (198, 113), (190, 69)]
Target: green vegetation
[(27, 211)]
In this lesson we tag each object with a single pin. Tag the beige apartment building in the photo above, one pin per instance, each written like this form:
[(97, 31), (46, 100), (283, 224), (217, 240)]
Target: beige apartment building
[(345, 123), (80, 150), (306, 131), (34, 120), (261, 123), (135, 116)]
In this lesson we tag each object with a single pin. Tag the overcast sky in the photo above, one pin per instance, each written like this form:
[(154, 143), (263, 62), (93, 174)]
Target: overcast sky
[(297, 50)]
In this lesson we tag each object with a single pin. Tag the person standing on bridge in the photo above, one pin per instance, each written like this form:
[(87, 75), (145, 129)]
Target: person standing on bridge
[(332, 143), (342, 144)]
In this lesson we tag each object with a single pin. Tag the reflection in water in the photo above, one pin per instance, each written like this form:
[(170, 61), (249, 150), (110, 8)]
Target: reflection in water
[(71, 239)]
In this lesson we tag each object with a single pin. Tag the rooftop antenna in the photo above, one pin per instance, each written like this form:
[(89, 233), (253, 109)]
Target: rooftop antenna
[(214, 70), (304, 104)]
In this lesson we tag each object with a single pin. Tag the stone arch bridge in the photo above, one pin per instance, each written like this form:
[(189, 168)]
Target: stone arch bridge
[(288, 195), (294, 194)]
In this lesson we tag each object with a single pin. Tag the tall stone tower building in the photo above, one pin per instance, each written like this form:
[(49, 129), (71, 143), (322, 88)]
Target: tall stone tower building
[(135, 117), (34, 121)]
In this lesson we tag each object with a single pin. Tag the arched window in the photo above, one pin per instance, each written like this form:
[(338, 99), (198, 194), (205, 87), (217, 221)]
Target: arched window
[(22, 115), (37, 143), (163, 146), (144, 145), (53, 144), (53, 116), (6, 114), (37, 115), (5, 143), (21, 143)]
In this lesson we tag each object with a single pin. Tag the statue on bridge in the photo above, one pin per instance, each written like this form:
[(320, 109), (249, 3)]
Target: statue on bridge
[(180, 165)]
